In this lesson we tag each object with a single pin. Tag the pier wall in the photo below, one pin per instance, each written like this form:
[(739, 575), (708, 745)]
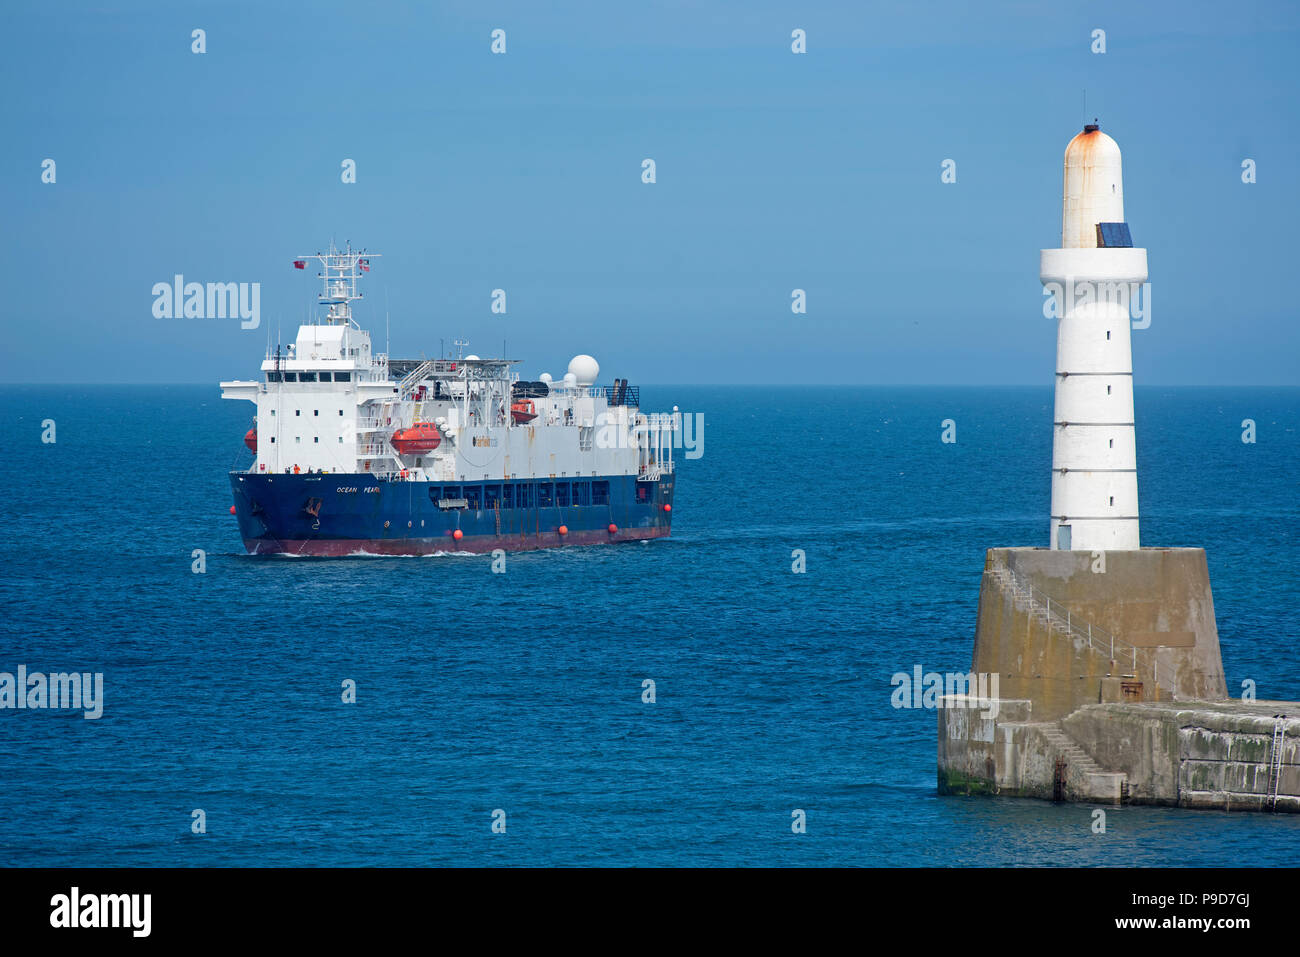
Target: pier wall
[(1156, 602), (1176, 754), (1111, 690)]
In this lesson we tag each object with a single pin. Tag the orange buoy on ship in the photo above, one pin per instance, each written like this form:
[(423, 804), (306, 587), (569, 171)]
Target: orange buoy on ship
[(667, 507), (458, 534), (419, 438), (563, 529), (612, 528), (232, 510), (250, 439)]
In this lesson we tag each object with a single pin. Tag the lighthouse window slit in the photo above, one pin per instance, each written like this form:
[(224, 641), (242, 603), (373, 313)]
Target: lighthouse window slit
[(1107, 333), (599, 493), (1108, 390), (1112, 500), (1112, 443)]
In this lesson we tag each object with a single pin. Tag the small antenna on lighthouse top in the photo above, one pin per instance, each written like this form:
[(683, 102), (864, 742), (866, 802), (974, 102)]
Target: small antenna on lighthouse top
[(342, 269)]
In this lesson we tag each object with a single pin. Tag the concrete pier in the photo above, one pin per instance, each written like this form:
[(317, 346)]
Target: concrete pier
[(1111, 690)]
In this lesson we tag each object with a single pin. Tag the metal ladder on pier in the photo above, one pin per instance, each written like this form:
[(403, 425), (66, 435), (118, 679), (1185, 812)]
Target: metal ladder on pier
[(1275, 760)]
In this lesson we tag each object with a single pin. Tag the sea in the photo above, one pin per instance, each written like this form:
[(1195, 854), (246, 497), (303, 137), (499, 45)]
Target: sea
[(824, 540)]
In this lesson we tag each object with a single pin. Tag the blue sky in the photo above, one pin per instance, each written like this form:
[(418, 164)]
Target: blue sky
[(522, 171)]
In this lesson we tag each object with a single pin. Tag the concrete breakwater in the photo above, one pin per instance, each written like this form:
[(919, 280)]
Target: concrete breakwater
[(1115, 690)]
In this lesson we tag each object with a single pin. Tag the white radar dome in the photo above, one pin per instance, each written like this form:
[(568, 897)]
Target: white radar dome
[(545, 377), (570, 380), (584, 369), (471, 358)]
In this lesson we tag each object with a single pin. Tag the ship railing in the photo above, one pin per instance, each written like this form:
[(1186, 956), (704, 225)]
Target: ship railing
[(410, 380), (1061, 617), (623, 394)]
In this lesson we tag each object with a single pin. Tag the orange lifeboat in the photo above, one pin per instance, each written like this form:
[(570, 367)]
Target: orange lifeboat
[(523, 410), (250, 439), (419, 438)]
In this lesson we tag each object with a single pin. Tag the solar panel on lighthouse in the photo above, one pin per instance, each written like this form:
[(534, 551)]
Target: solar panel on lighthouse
[(1113, 236)]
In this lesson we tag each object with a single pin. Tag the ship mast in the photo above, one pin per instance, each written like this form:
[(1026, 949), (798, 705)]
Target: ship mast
[(339, 280)]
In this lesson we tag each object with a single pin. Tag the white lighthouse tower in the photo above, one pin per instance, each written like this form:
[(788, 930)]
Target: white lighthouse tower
[(1091, 277)]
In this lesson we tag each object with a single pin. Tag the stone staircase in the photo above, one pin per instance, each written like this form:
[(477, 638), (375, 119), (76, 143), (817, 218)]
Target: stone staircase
[(1085, 779)]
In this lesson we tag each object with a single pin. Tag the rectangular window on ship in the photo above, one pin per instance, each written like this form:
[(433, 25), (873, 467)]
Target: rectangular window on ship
[(599, 493), (545, 495)]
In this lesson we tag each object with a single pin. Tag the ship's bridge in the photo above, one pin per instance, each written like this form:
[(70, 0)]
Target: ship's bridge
[(328, 347)]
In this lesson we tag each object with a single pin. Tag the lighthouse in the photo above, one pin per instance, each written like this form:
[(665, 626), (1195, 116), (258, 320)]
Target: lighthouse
[(1092, 278), (1109, 679)]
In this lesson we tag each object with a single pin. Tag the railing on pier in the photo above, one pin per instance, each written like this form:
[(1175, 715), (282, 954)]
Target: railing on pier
[(1063, 619)]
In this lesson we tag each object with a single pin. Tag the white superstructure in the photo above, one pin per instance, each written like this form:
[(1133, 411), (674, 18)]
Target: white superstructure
[(1094, 461), (330, 404)]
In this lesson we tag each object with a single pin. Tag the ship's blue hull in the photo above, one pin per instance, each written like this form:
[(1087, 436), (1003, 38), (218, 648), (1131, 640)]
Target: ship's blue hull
[(348, 514)]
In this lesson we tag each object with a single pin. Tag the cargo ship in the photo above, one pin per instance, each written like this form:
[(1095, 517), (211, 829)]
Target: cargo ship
[(356, 453)]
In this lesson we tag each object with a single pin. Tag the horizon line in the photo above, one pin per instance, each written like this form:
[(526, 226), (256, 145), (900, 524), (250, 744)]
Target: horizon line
[(776, 385)]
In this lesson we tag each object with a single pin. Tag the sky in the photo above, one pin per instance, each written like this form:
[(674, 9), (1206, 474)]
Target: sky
[(523, 171)]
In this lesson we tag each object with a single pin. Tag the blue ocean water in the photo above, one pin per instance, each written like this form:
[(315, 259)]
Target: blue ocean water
[(523, 691)]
